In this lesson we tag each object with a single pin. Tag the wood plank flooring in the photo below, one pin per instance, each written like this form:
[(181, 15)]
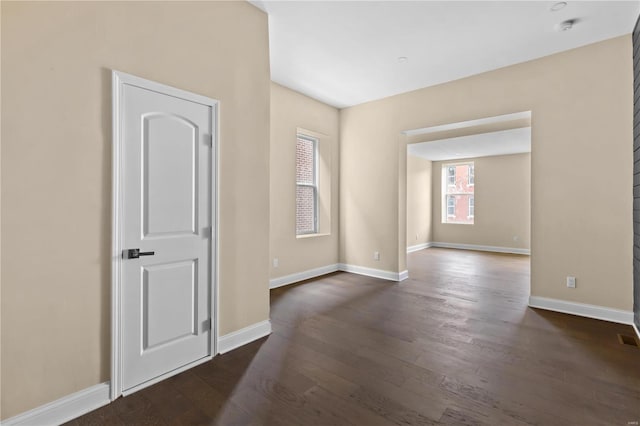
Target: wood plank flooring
[(455, 344)]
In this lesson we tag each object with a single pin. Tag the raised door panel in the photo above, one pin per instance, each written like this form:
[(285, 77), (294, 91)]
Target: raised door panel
[(169, 303), (169, 175)]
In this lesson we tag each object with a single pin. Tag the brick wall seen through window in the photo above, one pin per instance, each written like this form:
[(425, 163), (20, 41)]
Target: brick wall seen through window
[(306, 185)]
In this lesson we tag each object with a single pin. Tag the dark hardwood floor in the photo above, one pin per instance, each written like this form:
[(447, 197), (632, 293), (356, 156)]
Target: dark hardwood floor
[(454, 344)]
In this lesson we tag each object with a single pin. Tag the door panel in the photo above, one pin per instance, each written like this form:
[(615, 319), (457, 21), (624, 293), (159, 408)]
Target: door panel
[(166, 193), (171, 287), (169, 175)]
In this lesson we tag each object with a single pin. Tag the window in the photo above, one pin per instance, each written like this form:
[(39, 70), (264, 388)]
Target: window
[(451, 175), (451, 205), (306, 185), (458, 203)]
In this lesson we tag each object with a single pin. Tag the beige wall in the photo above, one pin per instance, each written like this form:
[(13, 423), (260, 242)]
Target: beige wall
[(291, 111), (419, 201), (581, 166), (502, 203), (56, 171)]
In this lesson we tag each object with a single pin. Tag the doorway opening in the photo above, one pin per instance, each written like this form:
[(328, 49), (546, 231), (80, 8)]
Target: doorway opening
[(468, 185)]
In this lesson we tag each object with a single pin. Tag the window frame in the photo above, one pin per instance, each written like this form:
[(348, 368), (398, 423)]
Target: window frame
[(471, 175), (450, 197), (447, 194), (313, 185), (472, 206), (453, 175)]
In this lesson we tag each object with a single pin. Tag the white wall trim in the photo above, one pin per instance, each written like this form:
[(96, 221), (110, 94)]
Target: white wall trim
[(496, 249), (360, 270), (241, 337), (301, 276), (64, 409), (636, 329), (116, 245), (419, 247), (582, 309), (376, 273), (468, 123)]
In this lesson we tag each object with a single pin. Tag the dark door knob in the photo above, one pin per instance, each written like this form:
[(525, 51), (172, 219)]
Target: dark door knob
[(136, 253)]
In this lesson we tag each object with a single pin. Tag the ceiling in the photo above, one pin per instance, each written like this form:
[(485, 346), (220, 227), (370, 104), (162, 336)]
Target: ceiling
[(504, 142), (345, 53)]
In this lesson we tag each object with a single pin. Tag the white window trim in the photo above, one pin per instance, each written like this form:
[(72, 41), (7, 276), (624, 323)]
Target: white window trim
[(314, 185)]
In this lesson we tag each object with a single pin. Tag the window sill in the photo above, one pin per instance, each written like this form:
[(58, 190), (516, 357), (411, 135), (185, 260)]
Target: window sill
[(456, 223), (303, 236)]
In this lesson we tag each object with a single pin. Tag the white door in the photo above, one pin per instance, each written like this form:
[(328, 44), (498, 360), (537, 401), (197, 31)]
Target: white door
[(166, 230)]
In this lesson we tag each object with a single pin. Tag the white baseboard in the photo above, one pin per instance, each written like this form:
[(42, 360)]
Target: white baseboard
[(301, 276), (582, 309), (234, 340), (361, 270), (64, 409), (418, 247), (496, 249), (75, 405), (376, 273)]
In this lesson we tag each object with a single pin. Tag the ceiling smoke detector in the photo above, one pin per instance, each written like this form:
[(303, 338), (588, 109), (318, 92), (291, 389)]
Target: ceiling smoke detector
[(566, 25), (402, 59), (557, 6)]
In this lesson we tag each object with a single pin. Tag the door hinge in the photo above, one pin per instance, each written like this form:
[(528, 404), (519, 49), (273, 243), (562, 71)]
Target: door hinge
[(208, 231), (209, 139), (206, 325)]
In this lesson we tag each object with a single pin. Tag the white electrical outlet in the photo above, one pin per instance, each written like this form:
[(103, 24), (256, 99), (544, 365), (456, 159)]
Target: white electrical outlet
[(276, 262), (376, 255), (571, 282)]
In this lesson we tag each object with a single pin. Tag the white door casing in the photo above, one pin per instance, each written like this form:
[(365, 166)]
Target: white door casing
[(164, 298)]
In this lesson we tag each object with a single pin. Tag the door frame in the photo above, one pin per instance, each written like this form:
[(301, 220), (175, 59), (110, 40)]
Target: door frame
[(118, 80)]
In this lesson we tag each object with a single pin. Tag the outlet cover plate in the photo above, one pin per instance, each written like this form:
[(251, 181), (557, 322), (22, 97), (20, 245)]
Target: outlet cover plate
[(571, 282)]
